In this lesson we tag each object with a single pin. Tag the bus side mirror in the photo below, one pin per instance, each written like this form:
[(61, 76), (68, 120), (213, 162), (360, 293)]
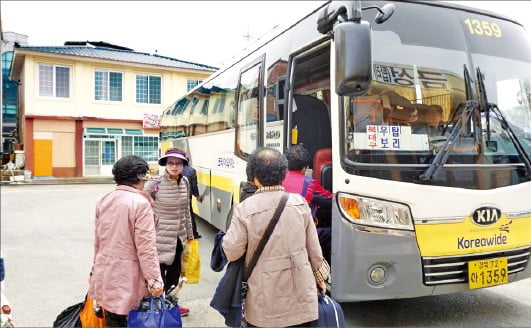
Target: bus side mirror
[(384, 13), (353, 58)]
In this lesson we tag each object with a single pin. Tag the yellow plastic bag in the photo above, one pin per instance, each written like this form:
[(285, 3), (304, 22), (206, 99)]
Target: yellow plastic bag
[(191, 262)]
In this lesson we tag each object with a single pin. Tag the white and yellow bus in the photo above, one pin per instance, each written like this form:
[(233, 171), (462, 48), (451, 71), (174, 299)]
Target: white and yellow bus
[(419, 120)]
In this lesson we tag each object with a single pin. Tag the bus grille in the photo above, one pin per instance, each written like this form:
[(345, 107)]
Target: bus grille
[(449, 270)]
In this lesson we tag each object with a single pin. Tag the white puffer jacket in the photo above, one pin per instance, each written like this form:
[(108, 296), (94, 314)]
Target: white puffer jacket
[(172, 210)]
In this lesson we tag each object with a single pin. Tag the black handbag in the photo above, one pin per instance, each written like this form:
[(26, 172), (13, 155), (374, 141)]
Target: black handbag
[(249, 269)]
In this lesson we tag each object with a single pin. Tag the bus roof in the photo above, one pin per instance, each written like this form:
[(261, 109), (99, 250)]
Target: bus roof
[(464, 8), (248, 51)]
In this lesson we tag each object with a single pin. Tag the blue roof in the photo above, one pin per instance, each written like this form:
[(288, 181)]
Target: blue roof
[(119, 55)]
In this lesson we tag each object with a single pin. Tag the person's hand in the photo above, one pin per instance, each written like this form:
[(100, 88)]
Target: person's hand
[(155, 287), (321, 287), (156, 292), (191, 237), (200, 198)]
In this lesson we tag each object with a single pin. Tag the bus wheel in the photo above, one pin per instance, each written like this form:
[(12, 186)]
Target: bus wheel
[(229, 219)]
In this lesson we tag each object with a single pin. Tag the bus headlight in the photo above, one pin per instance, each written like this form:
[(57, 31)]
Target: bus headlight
[(375, 212)]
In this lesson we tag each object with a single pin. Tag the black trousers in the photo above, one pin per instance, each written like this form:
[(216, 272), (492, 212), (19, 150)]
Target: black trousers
[(171, 273), (115, 320), (192, 216)]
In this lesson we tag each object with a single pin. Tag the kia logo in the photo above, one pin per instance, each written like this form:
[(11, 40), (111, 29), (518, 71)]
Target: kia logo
[(486, 215)]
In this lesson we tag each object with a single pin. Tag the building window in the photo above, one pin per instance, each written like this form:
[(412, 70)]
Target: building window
[(9, 95), (54, 81), (204, 110), (192, 83), (127, 146), (180, 106), (107, 86), (219, 105), (144, 146), (148, 89), (195, 101), (7, 57)]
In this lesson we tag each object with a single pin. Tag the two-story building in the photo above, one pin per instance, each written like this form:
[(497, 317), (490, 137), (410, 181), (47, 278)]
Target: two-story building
[(86, 104)]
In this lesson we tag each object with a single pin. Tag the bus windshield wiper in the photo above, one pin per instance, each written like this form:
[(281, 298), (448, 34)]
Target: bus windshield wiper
[(516, 142), (442, 155), (505, 125)]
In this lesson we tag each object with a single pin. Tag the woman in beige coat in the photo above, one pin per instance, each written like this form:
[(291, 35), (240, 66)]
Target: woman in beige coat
[(171, 206), (282, 289)]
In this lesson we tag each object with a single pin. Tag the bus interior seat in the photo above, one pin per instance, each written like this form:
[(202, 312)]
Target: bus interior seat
[(322, 167), (368, 110), (313, 123), (402, 116), (422, 113), (326, 177)]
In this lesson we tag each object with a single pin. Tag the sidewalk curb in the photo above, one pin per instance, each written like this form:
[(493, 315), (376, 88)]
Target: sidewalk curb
[(60, 181)]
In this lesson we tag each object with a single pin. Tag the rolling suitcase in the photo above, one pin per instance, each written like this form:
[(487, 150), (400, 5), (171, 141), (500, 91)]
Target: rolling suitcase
[(330, 313)]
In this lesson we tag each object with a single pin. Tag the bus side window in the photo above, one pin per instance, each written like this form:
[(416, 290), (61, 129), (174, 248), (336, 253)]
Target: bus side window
[(275, 82), (248, 109)]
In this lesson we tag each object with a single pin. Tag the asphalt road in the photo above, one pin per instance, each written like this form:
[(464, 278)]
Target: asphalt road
[(46, 240), (47, 234)]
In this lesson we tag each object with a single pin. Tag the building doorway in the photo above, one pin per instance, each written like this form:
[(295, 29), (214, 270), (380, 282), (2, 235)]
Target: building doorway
[(100, 155)]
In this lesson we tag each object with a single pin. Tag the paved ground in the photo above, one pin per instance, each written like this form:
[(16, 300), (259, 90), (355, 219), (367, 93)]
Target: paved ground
[(47, 236), (47, 243), (59, 181)]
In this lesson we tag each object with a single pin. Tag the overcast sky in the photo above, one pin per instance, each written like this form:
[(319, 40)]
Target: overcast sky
[(206, 32)]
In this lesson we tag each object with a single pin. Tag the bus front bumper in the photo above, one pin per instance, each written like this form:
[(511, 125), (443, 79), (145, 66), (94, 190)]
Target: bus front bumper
[(375, 264)]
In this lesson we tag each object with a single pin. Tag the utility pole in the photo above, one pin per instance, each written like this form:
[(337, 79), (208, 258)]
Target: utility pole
[(248, 35)]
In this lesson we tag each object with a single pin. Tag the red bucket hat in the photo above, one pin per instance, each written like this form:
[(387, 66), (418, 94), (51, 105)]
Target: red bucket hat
[(173, 153)]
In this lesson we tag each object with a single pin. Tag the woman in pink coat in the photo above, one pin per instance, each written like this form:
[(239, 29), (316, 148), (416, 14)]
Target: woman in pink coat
[(126, 265)]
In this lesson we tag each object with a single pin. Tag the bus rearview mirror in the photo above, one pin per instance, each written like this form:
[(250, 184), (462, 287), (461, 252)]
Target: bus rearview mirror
[(353, 56), (384, 13)]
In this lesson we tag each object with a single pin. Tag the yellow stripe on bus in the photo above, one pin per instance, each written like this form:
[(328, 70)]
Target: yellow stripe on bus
[(226, 184), (467, 237), (165, 145)]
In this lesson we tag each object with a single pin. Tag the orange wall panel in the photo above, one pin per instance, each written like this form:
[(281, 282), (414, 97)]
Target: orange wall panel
[(42, 162)]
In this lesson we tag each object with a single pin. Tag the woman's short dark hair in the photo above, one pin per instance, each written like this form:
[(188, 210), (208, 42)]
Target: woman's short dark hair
[(268, 165), (249, 172), (298, 158), (126, 169)]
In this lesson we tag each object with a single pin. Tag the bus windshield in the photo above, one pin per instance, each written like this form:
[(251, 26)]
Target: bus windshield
[(419, 90)]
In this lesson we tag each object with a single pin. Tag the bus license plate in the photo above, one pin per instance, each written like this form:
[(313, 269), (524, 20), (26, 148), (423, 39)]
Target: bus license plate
[(489, 272)]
